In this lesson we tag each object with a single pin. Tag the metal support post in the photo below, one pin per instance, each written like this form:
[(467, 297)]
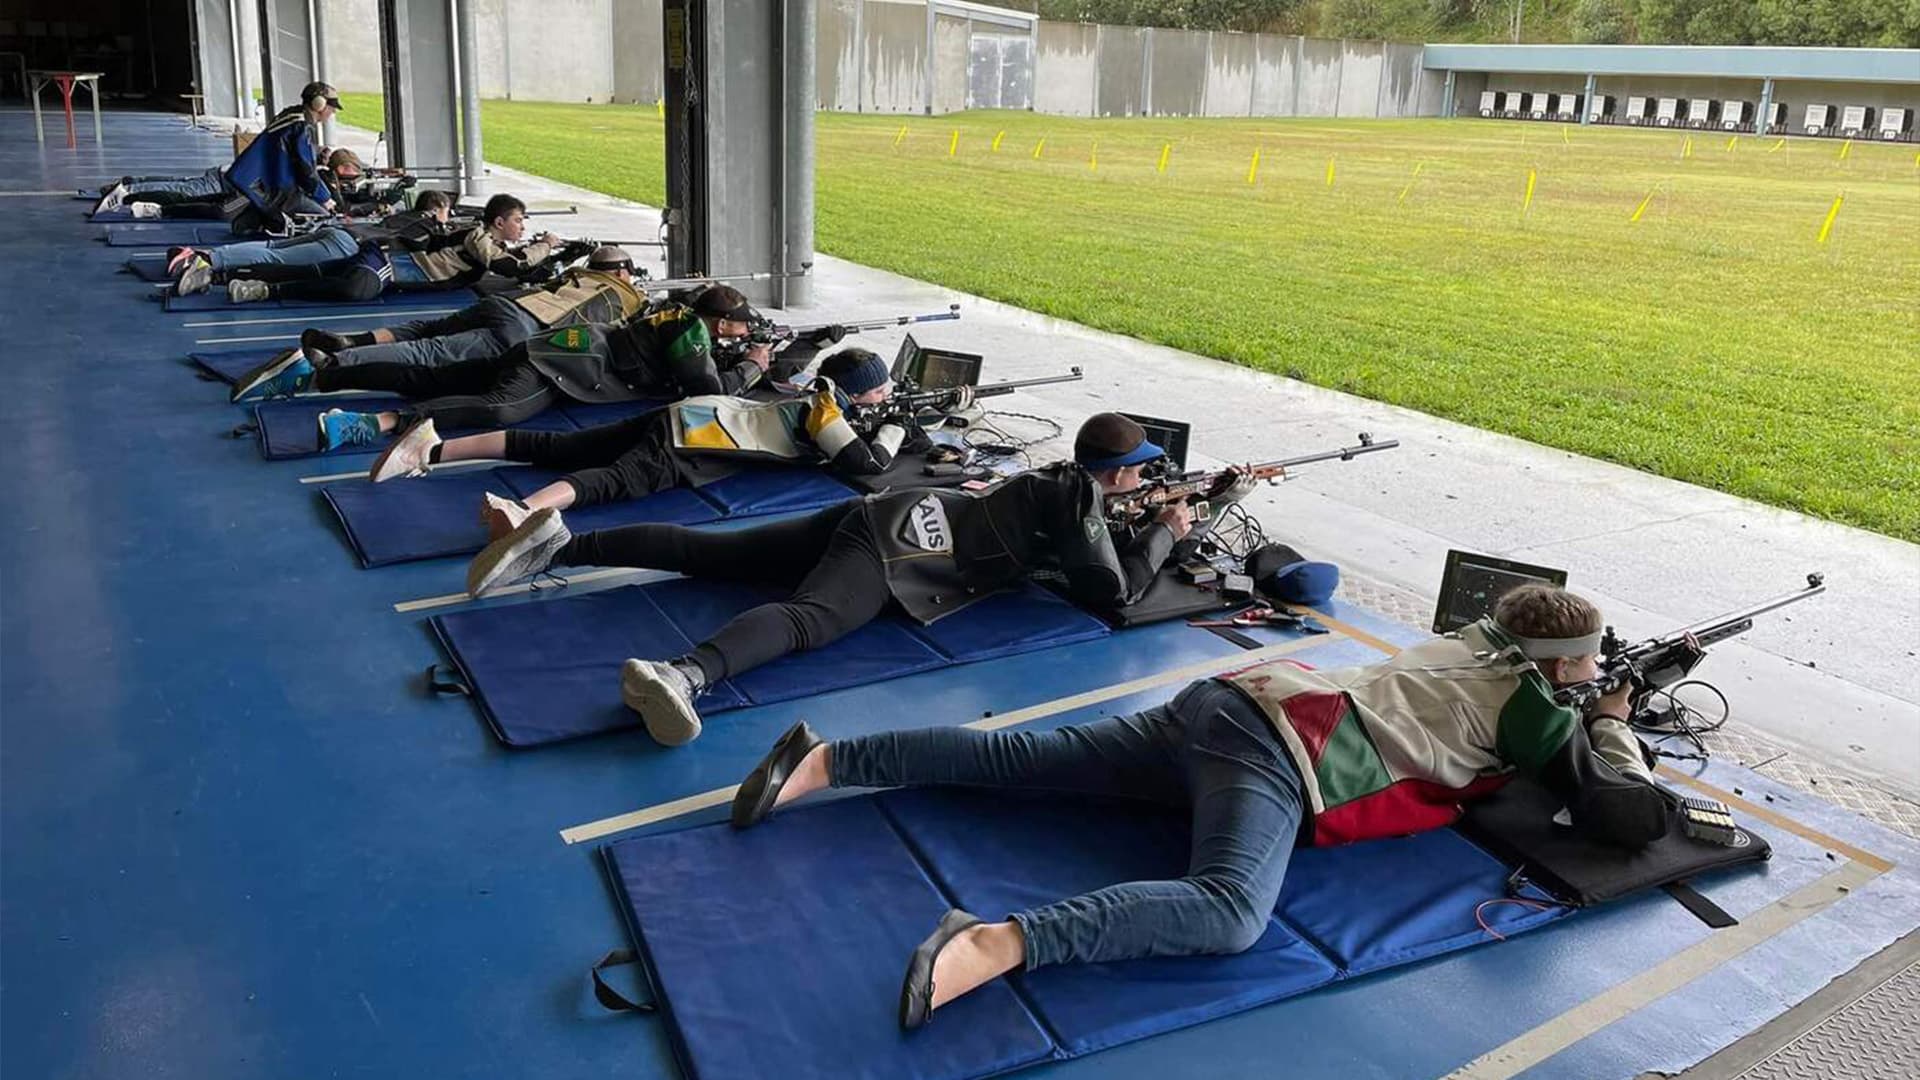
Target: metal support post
[(796, 152), (467, 38), (1765, 117)]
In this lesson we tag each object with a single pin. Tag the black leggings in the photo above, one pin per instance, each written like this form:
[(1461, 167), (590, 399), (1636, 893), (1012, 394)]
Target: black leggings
[(829, 558), (622, 460), (491, 393), (328, 282)]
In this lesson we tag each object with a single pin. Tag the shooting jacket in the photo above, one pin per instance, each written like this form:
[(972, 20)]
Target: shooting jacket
[(582, 296), (279, 163), (1399, 747), (805, 429), (666, 353), (462, 254), (945, 550)]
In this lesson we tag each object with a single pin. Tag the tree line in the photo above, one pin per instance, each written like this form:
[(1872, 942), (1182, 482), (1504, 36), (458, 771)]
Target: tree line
[(1886, 23)]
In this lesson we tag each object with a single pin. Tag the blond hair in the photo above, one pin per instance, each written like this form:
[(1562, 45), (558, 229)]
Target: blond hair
[(1546, 611)]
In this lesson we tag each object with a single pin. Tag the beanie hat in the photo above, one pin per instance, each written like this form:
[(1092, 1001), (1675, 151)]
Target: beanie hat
[(855, 371), (1111, 441)]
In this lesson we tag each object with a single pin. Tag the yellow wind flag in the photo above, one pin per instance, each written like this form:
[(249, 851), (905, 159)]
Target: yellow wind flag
[(660, 107), (1642, 208), (1329, 172), (1565, 138), (996, 141), (902, 135), (1686, 148), (1527, 202), (1731, 140), (1416, 175), (953, 144), (1777, 144), (1039, 146), (1253, 169), (1832, 212), (1165, 152), (1093, 156), (1845, 149)]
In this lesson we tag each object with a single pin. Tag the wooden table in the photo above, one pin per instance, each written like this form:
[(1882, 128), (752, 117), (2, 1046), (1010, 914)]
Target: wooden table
[(65, 80)]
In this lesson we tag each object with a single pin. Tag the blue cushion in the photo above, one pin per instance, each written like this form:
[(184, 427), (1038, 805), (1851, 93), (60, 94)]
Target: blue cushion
[(170, 234), (215, 299), (291, 429)]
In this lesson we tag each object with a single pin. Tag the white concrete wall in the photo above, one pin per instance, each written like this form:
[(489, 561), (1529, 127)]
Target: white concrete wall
[(950, 57), (1230, 74), (1066, 69), (837, 56), (556, 50), (1275, 60), (893, 74), (1359, 75), (1317, 78)]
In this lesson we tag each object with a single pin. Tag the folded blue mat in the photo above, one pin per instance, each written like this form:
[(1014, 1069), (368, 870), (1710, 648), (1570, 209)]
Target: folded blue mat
[(548, 671), (834, 898), (290, 429), (215, 299), (153, 270), (170, 233), (439, 515), (228, 365)]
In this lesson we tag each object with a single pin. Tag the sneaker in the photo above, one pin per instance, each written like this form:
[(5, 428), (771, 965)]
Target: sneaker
[(145, 211), (339, 428), (195, 274), (287, 373), (324, 340), (409, 455), (501, 516), (247, 291), (525, 551), (111, 199), (663, 697)]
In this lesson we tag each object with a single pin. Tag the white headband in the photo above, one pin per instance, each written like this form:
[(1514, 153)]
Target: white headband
[(1555, 648)]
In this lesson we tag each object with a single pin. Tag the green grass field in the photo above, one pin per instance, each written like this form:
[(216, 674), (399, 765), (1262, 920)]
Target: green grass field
[(1713, 340)]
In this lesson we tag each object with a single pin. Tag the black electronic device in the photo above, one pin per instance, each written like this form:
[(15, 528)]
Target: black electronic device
[(1169, 435), (1472, 584), (934, 369)]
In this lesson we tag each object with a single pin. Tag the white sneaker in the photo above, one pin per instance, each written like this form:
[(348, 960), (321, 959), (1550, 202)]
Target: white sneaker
[(511, 511), (410, 454), (663, 698), (111, 199), (247, 291), (525, 551), (145, 211)]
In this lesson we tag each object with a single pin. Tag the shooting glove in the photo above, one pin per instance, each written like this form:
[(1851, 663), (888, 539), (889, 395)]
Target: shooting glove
[(827, 335)]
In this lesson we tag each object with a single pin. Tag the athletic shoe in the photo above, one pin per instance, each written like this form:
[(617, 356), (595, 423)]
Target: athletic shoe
[(409, 454), (339, 428), (525, 551), (247, 291), (178, 257), (287, 373), (194, 277), (111, 199), (511, 511), (324, 340), (144, 211), (664, 699)]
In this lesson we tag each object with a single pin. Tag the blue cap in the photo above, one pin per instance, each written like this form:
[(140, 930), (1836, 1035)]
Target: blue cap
[(1112, 441), (1282, 574)]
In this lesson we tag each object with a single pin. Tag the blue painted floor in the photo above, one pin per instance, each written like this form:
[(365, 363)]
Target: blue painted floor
[(241, 840)]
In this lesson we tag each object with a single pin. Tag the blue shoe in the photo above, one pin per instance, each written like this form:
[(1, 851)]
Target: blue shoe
[(339, 428), (288, 373)]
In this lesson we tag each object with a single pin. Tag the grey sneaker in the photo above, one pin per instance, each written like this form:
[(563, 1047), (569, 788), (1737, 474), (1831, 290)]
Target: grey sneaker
[(664, 699), (409, 455), (247, 291), (195, 276), (525, 551), (145, 211)]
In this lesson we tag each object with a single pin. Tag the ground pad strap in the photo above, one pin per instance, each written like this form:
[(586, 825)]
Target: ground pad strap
[(613, 1000)]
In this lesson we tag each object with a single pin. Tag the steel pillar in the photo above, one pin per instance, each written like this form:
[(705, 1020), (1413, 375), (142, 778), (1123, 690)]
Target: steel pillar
[(417, 70), (286, 51), (473, 165), (1586, 103), (216, 61), (1765, 115)]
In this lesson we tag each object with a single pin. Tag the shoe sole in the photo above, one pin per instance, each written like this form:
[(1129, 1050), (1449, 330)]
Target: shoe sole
[(670, 721), (379, 475), (509, 562), (251, 381)]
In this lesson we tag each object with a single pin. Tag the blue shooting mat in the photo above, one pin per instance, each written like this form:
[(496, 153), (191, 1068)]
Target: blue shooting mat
[(548, 671), (439, 515), (290, 429), (152, 270), (227, 365), (215, 299), (171, 234), (834, 898)]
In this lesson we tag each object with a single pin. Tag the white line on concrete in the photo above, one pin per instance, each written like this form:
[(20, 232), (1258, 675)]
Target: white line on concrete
[(451, 599), (304, 319), (445, 466)]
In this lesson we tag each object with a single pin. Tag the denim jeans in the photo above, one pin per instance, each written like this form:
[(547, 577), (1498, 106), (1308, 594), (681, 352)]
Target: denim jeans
[(480, 331), (328, 245), (205, 186), (1209, 750)]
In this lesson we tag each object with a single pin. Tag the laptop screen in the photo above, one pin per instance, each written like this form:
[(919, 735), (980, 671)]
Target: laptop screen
[(934, 369), (1169, 435)]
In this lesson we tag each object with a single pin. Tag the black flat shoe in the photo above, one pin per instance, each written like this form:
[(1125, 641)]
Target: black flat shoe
[(754, 801), (916, 990)]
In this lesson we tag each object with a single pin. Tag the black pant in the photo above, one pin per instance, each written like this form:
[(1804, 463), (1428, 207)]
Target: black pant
[(622, 460), (471, 394), (508, 321), (350, 282), (829, 558)]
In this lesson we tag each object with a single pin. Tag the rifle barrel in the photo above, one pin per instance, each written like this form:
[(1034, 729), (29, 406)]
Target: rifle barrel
[(882, 324), (1345, 453), (1816, 584)]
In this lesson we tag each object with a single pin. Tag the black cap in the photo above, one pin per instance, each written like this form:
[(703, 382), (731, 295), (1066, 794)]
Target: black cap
[(321, 90), (723, 302), (1111, 441)]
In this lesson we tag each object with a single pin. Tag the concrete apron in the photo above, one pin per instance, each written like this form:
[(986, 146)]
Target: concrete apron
[(1837, 676)]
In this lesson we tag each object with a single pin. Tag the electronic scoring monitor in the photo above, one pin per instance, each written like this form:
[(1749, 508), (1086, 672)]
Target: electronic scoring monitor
[(1472, 584)]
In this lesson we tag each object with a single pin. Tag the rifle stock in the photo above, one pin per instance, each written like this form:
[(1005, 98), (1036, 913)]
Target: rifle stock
[(1128, 505)]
